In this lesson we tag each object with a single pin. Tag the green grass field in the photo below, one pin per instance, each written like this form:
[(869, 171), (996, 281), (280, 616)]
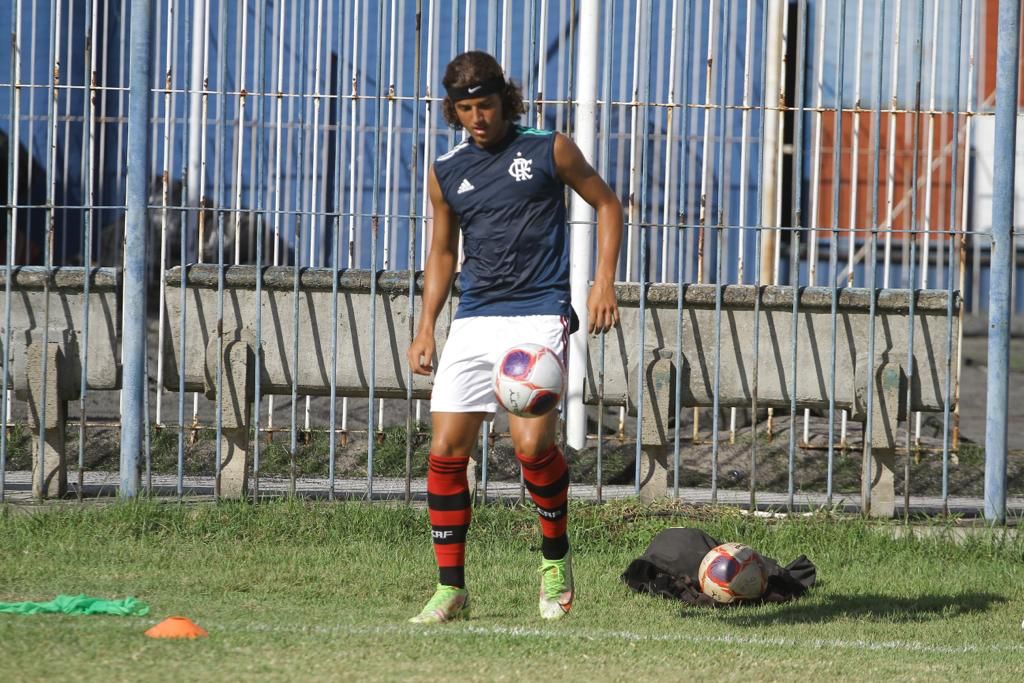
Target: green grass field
[(318, 591)]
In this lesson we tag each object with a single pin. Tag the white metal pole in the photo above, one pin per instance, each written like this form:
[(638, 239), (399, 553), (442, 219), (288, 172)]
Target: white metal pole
[(667, 233), (771, 150), (581, 217), (194, 180), (890, 174)]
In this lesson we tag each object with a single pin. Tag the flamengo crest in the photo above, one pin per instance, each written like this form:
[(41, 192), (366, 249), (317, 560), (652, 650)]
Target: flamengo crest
[(521, 169)]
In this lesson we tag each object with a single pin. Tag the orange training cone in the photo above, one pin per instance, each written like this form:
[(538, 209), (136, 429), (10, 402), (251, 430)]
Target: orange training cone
[(177, 627)]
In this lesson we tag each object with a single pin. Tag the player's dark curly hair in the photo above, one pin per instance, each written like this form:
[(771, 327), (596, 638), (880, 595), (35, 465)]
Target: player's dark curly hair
[(475, 67)]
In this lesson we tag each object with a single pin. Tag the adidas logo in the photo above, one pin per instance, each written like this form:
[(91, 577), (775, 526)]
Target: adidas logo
[(465, 187)]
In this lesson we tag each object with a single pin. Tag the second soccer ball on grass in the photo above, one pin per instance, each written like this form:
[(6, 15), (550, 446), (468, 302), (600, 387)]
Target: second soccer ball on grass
[(529, 380), (732, 571)]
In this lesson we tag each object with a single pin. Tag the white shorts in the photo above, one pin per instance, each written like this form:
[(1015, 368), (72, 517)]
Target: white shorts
[(463, 379)]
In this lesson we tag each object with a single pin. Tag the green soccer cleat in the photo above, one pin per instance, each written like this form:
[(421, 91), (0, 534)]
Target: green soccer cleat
[(556, 588), (449, 603)]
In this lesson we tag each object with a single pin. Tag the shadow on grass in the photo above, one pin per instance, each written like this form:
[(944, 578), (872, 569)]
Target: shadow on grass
[(885, 608)]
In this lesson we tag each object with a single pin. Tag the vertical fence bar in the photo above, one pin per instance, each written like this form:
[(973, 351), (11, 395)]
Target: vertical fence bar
[(293, 444), (133, 322), (928, 174), (951, 240), (102, 110), (741, 211), (12, 215), (816, 154), (962, 232), (219, 201), (890, 174), (261, 151), (871, 260), (719, 223), (1007, 70), (410, 424), (794, 246), (619, 135), (239, 146), (581, 218), (277, 190), (681, 218), (560, 70), (637, 202), (198, 199), (833, 251), (353, 191), (389, 159), (89, 201), (30, 132), (854, 178), (775, 88), (196, 138), (182, 249), (606, 107), (315, 207), (67, 64), (52, 96), (670, 119), (912, 259), (774, 84), (633, 181), (374, 229), (165, 178), (759, 256), (339, 147), (429, 140), (709, 60)]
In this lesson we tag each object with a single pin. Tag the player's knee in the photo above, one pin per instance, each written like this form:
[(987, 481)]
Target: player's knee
[(443, 447), (530, 446)]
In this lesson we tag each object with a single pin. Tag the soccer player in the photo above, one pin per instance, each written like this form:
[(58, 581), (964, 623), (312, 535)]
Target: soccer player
[(504, 187)]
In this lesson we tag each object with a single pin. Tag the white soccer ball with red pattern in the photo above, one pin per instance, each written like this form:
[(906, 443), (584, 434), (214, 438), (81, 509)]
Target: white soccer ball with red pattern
[(732, 571), (529, 380)]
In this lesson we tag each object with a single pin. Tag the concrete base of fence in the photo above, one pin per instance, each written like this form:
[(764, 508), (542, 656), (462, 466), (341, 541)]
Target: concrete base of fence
[(878, 487), (878, 490), (236, 404), (653, 473), (234, 470), (47, 408), (655, 430)]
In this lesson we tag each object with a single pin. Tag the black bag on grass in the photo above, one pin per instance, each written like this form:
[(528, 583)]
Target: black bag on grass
[(671, 562)]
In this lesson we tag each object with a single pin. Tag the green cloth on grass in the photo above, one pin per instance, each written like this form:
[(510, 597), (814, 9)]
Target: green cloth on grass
[(78, 604)]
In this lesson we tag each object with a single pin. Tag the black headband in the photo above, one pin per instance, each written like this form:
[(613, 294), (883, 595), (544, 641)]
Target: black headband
[(489, 86)]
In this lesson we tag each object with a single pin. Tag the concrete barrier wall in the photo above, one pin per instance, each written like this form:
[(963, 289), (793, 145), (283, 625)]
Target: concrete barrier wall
[(65, 317), (774, 354), (277, 306)]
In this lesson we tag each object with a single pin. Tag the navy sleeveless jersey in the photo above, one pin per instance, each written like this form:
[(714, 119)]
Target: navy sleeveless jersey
[(510, 205)]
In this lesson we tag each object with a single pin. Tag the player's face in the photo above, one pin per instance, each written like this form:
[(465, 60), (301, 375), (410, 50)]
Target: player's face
[(482, 117)]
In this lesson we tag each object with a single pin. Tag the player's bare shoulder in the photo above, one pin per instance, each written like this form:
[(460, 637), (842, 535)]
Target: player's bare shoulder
[(570, 164)]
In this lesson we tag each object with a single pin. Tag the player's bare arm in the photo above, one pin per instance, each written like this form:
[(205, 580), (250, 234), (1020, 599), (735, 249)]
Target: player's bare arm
[(437, 278), (573, 169)]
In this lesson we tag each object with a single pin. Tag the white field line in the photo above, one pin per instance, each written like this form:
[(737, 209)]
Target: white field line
[(598, 635), (591, 635)]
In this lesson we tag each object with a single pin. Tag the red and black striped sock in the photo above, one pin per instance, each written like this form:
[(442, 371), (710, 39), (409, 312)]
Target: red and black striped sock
[(449, 506), (547, 479)]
